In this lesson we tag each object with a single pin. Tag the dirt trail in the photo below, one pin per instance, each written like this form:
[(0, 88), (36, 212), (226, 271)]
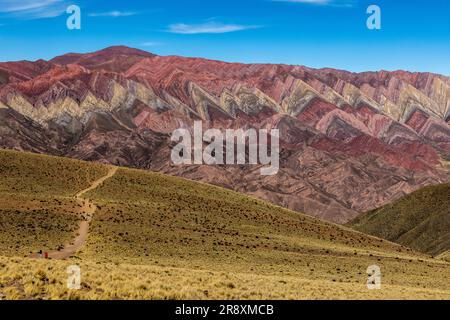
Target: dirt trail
[(88, 208)]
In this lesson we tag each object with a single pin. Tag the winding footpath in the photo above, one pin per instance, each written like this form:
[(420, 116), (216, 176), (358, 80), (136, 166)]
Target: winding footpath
[(88, 208)]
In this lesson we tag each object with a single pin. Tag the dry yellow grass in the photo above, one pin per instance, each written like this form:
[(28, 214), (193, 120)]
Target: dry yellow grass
[(420, 220), (445, 256), (160, 237), (29, 224), (37, 208), (40, 279), (33, 175)]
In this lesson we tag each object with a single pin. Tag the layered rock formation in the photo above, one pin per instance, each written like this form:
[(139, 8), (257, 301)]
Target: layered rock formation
[(350, 142)]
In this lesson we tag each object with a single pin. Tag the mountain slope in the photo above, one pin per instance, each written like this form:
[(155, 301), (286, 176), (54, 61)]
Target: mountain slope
[(159, 237), (350, 142), (37, 205), (420, 220)]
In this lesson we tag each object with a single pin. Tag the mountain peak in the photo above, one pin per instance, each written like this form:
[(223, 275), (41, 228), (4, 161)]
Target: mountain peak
[(115, 58), (124, 50)]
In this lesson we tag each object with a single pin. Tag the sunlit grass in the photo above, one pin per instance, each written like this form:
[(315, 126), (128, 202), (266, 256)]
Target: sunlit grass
[(160, 237)]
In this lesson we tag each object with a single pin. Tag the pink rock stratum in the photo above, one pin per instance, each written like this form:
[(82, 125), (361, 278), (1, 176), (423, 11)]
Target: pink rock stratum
[(350, 142)]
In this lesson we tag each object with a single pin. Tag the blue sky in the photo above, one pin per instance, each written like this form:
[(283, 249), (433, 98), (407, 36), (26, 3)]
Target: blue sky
[(415, 34)]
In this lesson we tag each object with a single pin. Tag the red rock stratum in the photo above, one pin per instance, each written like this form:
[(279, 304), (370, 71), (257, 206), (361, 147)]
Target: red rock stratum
[(350, 142)]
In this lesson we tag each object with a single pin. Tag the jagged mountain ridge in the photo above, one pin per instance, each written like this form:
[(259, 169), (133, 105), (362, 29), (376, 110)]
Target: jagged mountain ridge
[(350, 142)]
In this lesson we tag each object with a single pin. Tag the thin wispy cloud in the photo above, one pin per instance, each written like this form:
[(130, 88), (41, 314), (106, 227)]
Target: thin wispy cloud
[(335, 3), (150, 44), (32, 9), (208, 27), (113, 14)]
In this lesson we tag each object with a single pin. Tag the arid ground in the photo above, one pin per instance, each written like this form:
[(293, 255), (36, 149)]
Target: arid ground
[(152, 236)]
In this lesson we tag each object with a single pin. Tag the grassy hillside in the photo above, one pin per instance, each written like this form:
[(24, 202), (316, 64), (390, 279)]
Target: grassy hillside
[(420, 220), (148, 217), (158, 237), (37, 209), (38, 175)]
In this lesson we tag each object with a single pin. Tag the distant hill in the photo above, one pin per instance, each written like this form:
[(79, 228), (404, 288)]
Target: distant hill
[(420, 220)]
